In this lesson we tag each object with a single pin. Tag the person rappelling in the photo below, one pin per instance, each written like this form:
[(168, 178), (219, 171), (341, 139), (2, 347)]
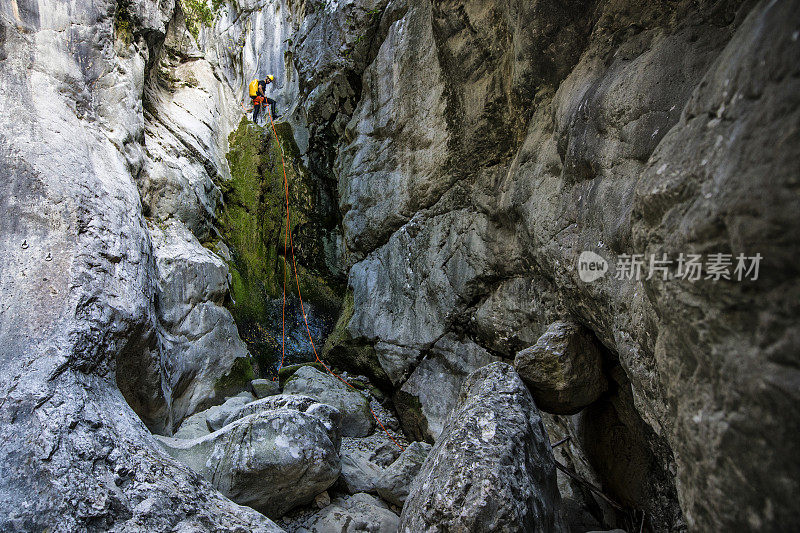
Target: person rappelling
[(259, 99)]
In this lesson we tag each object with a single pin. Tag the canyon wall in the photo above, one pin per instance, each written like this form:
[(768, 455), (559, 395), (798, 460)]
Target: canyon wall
[(457, 158)]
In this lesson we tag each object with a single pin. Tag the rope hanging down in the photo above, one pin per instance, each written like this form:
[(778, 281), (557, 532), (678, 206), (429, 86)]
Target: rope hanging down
[(288, 243)]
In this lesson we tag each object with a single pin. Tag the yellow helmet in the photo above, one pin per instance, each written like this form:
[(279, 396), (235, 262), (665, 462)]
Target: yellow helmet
[(271, 77)]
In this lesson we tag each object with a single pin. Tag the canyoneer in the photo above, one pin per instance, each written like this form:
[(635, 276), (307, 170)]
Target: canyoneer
[(259, 99)]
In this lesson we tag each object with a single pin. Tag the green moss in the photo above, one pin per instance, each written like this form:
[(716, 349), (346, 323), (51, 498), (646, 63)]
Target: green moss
[(123, 23), (288, 371), (339, 335), (239, 377), (252, 222), (344, 352)]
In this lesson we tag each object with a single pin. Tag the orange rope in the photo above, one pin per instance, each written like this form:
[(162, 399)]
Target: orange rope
[(297, 279)]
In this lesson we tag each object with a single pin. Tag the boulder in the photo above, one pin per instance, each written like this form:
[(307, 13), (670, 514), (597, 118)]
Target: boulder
[(359, 474), (357, 513), (265, 387), (357, 420), (492, 468), (193, 427), (218, 414), (329, 416), (564, 369), (271, 461), (395, 481), (200, 346)]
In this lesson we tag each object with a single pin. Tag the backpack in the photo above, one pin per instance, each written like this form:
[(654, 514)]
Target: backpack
[(253, 88)]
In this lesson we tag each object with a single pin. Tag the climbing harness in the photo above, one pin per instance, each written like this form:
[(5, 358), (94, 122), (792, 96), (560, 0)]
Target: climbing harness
[(288, 243)]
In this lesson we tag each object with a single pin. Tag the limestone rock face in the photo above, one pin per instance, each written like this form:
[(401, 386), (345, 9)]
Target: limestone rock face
[(271, 461), (359, 474), (491, 469), (357, 420), (77, 279), (489, 149), (564, 369)]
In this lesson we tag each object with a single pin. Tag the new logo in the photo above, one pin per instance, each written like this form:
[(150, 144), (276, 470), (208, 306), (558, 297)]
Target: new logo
[(591, 266)]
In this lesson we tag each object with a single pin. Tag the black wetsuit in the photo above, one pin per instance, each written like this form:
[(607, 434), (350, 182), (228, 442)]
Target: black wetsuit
[(262, 88)]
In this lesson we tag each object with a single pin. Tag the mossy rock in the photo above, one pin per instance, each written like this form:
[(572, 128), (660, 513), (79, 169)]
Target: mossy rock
[(252, 220), (237, 379), (288, 371), (343, 351), (412, 419)]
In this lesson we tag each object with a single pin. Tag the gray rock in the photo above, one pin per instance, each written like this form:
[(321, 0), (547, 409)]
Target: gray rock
[(492, 468), (329, 416), (79, 324), (265, 387), (357, 420), (604, 144), (394, 483), (564, 369), (270, 461), (426, 398), (193, 427), (359, 474), (217, 415), (352, 514), (385, 454)]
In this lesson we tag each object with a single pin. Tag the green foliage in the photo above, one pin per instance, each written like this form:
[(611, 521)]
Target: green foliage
[(198, 13), (123, 23)]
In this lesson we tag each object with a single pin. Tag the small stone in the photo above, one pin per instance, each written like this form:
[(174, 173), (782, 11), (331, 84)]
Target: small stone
[(322, 500)]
